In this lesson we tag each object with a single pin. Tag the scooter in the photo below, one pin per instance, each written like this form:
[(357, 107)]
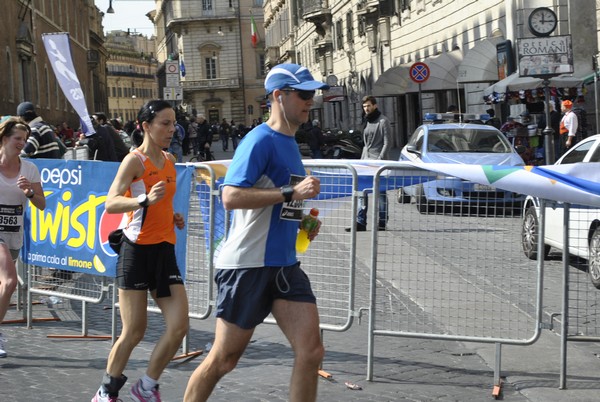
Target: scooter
[(343, 145)]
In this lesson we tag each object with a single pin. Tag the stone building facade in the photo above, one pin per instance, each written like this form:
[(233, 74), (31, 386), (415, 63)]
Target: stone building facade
[(224, 72), (26, 72), (131, 69), (369, 47)]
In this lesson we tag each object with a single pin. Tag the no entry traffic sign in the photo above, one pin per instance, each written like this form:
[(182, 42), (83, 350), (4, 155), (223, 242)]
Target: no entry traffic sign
[(419, 72)]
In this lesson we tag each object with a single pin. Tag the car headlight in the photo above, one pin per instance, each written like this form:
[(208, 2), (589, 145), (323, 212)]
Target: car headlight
[(445, 192)]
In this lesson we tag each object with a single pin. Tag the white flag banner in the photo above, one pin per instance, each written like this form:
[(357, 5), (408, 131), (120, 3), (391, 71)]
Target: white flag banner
[(577, 183), (59, 53)]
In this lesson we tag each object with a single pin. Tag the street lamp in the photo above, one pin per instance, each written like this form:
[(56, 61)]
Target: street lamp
[(110, 10)]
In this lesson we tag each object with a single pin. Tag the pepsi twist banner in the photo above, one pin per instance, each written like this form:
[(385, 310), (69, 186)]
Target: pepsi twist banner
[(72, 232), (59, 54)]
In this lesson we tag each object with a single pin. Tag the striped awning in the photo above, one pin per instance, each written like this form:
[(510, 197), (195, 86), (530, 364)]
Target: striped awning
[(480, 63)]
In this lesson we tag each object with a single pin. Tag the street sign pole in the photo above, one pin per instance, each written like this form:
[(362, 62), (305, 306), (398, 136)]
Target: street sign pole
[(420, 106), (548, 131), (419, 72), (172, 92)]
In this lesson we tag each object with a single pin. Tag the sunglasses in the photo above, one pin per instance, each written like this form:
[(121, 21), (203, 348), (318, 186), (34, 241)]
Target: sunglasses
[(304, 95)]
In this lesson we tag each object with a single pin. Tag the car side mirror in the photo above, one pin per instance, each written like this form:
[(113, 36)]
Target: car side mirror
[(413, 150)]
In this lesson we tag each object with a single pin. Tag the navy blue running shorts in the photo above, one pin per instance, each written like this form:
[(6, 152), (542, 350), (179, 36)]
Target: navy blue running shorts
[(151, 266), (246, 295)]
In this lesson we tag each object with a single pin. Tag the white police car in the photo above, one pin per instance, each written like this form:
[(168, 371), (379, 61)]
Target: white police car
[(464, 143), (584, 221)]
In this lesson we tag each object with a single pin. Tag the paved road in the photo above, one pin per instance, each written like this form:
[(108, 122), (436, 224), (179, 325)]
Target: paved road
[(40, 368)]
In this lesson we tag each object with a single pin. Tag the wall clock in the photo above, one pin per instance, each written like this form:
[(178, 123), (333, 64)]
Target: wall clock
[(542, 21)]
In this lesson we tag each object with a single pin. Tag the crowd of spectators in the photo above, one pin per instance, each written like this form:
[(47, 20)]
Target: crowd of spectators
[(115, 138)]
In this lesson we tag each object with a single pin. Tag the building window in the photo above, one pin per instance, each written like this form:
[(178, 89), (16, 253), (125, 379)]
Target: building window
[(261, 65), (207, 5), (47, 78), (339, 43), (349, 28), (57, 95), (250, 110), (387, 8), (210, 67), (362, 24), (9, 73), (35, 78)]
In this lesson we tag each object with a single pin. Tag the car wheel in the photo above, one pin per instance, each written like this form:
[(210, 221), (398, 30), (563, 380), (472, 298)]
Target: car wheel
[(594, 259), (529, 235), (422, 204), (403, 198)]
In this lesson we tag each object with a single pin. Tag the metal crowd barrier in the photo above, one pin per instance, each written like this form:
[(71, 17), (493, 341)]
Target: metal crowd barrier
[(450, 271), (64, 284), (200, 249), (331, 269), (580, 310), (67, 285), (438, 271), (200, 246), (329, 261), (78, 153)]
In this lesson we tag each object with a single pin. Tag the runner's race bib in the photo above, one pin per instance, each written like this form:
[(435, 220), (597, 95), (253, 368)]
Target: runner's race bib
[(11, 218)]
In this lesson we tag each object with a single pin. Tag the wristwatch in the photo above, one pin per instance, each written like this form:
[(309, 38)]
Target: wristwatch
[(287, 192), (142, 199), (30, 193)]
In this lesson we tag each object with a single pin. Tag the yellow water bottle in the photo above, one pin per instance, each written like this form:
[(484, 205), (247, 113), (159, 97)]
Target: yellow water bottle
[(307, 225)]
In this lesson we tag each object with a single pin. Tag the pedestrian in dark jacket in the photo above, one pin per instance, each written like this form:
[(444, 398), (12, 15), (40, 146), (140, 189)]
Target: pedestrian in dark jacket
[(100, 144), (234, 135), (42, 142), (120, 148), (315, 140), (224, 134), (205, 136)]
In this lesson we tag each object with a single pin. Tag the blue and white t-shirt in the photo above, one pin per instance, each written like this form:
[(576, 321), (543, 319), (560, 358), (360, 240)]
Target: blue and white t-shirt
[(261, 237)]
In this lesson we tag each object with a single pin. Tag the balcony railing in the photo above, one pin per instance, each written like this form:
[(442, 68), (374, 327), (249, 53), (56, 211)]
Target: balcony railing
[(130, 74), (317, 12), (183, 15), (315, 6), (217, 83)]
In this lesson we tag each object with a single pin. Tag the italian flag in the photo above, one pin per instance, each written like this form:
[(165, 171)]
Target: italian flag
[(253, 32)]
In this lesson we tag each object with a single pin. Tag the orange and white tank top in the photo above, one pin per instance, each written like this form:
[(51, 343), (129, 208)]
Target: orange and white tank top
[(153, 224)]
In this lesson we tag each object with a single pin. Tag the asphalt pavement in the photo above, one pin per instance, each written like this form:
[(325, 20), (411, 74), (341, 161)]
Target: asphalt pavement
[(41, 366)]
